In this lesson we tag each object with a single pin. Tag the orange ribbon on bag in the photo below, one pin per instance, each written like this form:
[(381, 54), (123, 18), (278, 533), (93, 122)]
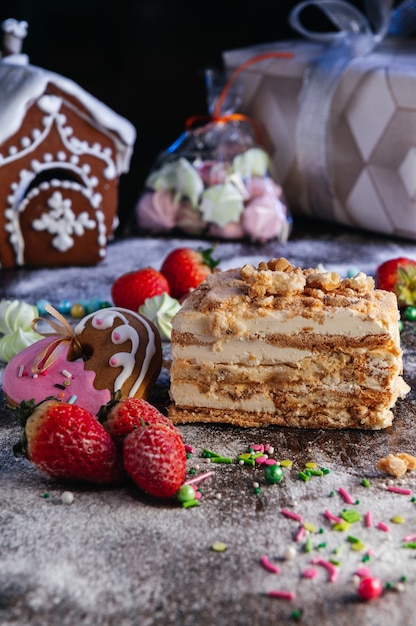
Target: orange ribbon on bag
[(216, 116)]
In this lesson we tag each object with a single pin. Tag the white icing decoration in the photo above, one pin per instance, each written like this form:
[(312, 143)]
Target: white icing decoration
[(49, 104), (62, 222), (30, 84), (103, 320)]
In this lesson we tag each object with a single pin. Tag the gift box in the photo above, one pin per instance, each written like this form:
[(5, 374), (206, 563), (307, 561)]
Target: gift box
[(341, 126)]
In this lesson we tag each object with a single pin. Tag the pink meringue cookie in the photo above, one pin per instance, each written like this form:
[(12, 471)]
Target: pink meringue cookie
[(258, 186), (264, 218), (156, 211)]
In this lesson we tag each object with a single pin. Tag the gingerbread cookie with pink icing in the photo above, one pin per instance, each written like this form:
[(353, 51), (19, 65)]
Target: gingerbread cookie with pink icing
[(111, 350), (65, 380)]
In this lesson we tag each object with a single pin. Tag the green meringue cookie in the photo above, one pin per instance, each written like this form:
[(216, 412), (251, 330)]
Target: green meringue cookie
[(222, 204), (15, 315), (180, 177), (253, 162), (160, 310)]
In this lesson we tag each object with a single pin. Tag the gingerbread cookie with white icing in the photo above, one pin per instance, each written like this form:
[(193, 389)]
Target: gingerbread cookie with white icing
[(122, 347)]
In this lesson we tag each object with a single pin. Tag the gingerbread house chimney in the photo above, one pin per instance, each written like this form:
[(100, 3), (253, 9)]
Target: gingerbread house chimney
[(13, 34)]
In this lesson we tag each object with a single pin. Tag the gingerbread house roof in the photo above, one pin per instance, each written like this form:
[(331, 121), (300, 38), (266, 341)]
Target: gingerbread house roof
[(22, 83)]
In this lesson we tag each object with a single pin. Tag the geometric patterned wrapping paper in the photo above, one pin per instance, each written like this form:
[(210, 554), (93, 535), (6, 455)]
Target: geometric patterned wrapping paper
[(370, 131)]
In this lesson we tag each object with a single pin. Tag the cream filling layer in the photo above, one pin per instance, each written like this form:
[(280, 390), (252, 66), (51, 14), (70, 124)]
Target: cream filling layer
[(189, 395), (235, 351), (342, 322), (310, 400)]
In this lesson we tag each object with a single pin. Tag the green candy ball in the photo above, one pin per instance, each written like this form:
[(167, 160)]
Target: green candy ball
[(410, 313), (185, 493), (273, 473)]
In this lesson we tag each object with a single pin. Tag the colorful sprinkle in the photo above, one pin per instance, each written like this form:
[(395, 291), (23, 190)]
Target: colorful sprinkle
[(382, 526), (283, 595), (405, 492), (368, 519), (219, 546), (333, 572), (351, 516), (310, 572), (291, 514), (190, 503), (267, 564), (198, 479), (332, 518), (348, 499)]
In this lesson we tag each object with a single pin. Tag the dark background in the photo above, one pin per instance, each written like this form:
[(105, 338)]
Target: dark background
[(146, 58)]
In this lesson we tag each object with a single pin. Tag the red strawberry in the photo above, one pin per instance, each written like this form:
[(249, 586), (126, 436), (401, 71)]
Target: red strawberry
[(130, 290), (67, 442), (119, 418), (398, 275), (185, 269), (154, 457)]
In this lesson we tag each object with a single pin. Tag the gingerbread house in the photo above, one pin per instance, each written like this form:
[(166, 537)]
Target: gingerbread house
[(62, 152)]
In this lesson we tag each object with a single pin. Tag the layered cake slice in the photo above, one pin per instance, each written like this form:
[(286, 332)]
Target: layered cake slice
[(288, 346)]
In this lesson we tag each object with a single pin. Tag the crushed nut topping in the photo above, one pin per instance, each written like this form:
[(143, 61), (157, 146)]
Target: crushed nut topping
[(278, 277)]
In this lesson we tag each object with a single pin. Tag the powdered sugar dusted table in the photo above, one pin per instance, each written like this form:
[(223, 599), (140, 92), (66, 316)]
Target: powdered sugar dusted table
[(114, 556)]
